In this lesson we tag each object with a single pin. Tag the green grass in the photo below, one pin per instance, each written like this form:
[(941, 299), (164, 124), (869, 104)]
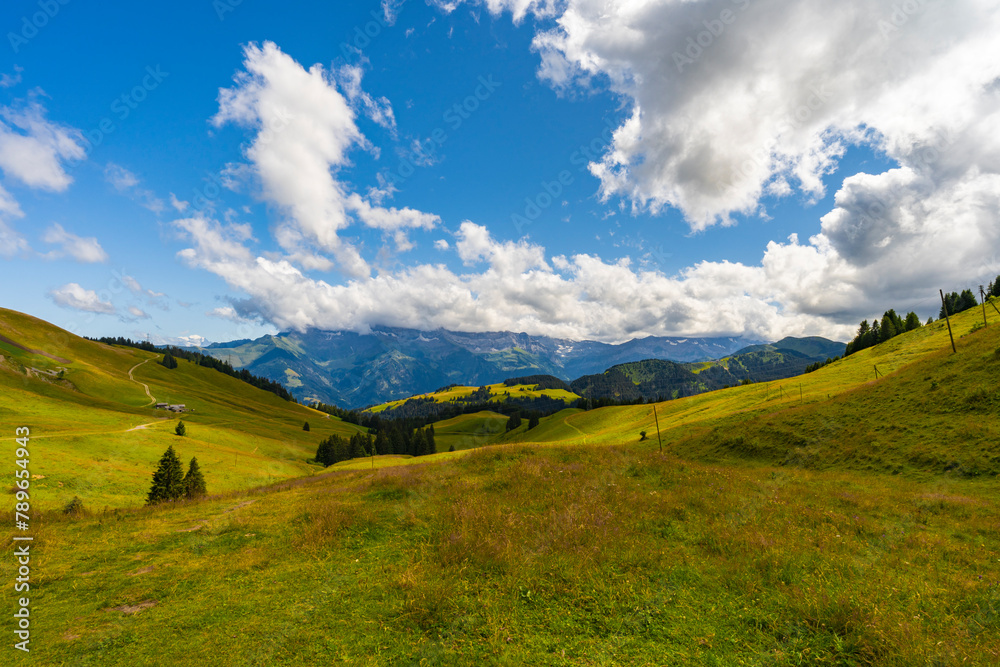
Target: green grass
[(498, 392), (854, 523), (469, 431), (534, 555), (82, 442)]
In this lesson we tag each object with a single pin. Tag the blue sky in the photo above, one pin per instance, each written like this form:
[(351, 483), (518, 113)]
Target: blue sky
[(218, 170)]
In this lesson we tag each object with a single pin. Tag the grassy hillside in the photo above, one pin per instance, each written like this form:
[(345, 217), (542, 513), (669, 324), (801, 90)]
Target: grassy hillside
[(828, 519), (535, 555), (95, 435), (469, 431), (821, 393), (498, 392)]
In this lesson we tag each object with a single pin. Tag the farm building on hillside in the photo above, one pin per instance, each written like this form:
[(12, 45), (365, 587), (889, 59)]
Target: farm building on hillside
[(176, 407)]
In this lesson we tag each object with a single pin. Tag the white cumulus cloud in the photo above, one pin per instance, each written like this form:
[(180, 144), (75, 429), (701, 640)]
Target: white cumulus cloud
[(72, 295), (304, 131), (86, 250)]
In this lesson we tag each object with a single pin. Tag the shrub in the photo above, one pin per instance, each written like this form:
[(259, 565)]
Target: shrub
[(74, 507)]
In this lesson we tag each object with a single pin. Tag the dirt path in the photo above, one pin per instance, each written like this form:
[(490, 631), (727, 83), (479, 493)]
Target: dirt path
[(142, 426), (145, 386), (566, 421)]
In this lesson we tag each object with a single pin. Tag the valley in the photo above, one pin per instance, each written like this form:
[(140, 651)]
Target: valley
[(827, 516)]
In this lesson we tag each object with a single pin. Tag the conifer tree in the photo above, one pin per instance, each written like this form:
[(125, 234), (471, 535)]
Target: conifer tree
[(323, 452), (180, 429), (912, 321), (305, 427), (168, 480), (967, 300), (513, 421), (194, 481), (168, 361), (430, 446), (418, 443), (888, 328), (382, 443), (532, 421)]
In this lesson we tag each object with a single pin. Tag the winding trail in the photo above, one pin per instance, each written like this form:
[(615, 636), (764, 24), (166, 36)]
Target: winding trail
[(145, 386), (566, 422)]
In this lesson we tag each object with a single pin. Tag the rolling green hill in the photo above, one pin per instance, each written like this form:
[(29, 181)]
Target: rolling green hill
[(95, 434), (832, 518), (469, 431)]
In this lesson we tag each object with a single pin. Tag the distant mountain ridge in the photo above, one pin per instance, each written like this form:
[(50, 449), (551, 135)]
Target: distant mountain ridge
[(355, 370), (663, 379)]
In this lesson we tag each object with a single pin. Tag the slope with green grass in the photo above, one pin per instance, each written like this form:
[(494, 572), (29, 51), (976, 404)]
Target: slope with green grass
[(94, 434), (916, 370), (498, 392), (468, 431), (828, 519), (533, 555)]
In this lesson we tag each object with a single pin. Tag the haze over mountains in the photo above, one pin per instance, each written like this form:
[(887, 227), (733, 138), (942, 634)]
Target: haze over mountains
[(354, 370)]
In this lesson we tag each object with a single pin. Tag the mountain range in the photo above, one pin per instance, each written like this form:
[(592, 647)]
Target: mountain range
[(355, 370), (663, 379)]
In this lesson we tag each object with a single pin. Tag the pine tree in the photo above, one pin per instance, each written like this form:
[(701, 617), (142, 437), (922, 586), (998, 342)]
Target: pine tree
[(168, 480), (912, 321), (514, 421), (967, 300), (168, 361), (995, 288), (430, 446), (532, 421), (180, 429), (418, 443), (323, 452), (888, 328), (305, 427), (194, 481)]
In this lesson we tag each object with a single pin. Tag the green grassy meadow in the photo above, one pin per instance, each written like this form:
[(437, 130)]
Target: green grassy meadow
[(498, 392), (827, 519), (84, 440)]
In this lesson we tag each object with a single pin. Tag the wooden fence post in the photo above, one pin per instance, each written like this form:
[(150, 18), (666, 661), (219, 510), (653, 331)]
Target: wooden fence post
[(944, 306)]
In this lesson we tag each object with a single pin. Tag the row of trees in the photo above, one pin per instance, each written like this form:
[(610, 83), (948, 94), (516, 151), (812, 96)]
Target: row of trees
[(170, 482), (879, 331), (393, 438), (959, 302), (819, 364), (515, 420)]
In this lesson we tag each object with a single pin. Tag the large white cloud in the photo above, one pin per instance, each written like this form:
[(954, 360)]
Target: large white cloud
[(304, 131), (731, 102), (734, 101), (514, 286)]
